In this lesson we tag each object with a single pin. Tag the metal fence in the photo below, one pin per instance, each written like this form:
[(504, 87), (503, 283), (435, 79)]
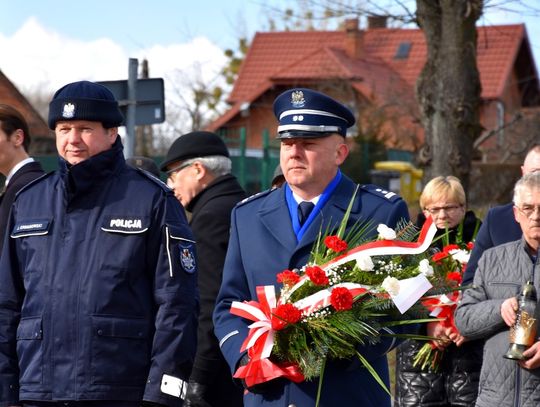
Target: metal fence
[(254, 168)]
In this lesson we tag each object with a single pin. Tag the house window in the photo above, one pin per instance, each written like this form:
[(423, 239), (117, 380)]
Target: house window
[(403, 50)]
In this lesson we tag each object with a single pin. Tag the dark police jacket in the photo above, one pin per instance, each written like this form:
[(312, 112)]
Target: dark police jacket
[(98, 297), (22, 176), (263, 244)]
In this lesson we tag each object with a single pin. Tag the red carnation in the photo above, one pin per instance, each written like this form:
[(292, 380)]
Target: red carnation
[(285, 314), (437, 257), (335, 243), (288, 277), (470, 246), (317, 275), (454, 276), (448, 248), (341, 299)]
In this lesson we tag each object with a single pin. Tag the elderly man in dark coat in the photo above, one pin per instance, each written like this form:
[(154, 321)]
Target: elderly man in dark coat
[(199, 172)]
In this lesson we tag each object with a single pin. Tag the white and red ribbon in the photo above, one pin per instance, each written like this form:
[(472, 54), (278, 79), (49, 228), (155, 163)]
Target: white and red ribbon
[(260, 339), (388, 247)]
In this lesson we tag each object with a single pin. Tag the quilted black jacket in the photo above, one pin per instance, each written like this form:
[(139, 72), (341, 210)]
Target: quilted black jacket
[(455, 383)]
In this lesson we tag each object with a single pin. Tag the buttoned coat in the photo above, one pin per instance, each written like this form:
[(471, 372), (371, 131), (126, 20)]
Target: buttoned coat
[(22, 176), (211, 224), (263, 244), (98, 297)]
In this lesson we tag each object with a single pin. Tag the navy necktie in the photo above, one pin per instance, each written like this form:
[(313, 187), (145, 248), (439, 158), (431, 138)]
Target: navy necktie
[(304, 209)]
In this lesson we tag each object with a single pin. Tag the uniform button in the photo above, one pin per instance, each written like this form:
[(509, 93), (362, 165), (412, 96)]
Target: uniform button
[(292, 405), (100, 332)]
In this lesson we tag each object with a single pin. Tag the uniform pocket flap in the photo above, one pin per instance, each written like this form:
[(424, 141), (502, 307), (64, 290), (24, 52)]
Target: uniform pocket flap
[(30, 328), (31, 227), (177, 233), (127, 224), (120, 327)]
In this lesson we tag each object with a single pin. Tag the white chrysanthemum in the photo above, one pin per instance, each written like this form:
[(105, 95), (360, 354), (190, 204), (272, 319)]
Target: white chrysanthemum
[(391, 285), (385, 232), (365, 263), (460, 255), (425, 268)]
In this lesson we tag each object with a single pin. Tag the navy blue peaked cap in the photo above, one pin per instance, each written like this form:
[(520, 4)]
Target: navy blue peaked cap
[(305, 113), (85, 100)]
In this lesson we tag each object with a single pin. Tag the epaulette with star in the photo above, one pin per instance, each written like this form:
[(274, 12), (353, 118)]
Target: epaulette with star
[(381, 192), (254, 197)]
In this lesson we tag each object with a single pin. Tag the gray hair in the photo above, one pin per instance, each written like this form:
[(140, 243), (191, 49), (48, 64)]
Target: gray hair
[(218, 165), (528, 182)]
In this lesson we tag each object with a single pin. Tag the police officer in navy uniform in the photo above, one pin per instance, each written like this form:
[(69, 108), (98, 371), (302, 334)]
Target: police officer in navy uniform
[(98, 301), (267, 236)]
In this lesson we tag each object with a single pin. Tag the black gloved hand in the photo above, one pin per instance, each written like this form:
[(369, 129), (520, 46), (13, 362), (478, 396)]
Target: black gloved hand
[(195, 395), (266, 387)]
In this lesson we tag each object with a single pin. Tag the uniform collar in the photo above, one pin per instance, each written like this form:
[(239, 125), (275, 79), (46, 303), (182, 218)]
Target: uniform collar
[(94, 170)]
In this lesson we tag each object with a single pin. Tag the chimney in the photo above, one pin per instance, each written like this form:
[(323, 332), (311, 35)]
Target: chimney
[(376, 21), (354, 43)]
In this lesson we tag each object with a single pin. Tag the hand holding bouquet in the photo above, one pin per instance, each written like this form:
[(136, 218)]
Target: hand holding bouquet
[(449, 265), (349, 294)]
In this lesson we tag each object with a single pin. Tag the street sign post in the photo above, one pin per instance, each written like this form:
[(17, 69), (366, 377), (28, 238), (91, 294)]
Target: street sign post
[(150, 99), (142, 102)]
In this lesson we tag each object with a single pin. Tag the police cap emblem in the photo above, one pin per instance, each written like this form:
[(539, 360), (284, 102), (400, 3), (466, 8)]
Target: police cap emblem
[(297, 98), (68, 112)]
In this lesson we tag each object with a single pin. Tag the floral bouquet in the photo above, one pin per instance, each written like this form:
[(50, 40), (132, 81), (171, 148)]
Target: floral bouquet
[(345, 295), (448, 265)]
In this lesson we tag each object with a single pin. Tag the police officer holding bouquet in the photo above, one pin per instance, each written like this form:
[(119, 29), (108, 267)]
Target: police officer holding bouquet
[(98, 301), (275, 230)]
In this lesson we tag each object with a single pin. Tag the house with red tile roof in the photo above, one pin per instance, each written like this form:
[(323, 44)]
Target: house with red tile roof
[(374, 71), (43, 141)]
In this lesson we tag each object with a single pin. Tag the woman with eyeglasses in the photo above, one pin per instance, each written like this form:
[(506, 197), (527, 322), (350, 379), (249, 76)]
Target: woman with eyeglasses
[(455, 383)]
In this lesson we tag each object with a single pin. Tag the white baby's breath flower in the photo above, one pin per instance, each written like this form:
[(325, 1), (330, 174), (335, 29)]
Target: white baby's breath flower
[(425, 268), (460, 255), (385, 232), (391, 285), (365, 263)]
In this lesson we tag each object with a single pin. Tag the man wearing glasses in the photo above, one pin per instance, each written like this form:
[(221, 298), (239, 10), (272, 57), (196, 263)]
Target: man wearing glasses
[(488, 309), (199, 172), (499, 225)]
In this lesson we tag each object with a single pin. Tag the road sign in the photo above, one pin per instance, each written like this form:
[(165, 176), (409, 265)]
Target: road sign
[(150, 99)]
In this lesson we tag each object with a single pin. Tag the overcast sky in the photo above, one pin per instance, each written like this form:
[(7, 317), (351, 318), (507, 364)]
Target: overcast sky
[(47, 43)]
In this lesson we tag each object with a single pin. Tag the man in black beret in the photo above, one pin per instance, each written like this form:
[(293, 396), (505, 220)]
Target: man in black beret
[(199, 172), (98, 299)]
